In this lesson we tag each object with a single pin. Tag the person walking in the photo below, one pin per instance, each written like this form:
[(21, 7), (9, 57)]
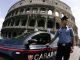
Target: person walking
[(66, 40)]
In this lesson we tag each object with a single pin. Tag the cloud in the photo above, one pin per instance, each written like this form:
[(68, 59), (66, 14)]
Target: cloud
[(1, 21)]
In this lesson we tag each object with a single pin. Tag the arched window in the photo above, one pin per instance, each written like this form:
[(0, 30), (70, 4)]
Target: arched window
[(24, 22), (62, 15), (21, 10), (12, 13), (35, 10), (8, 23), (41, 23), (57, 25), (12, 22), (56, 14), (50, 12), (16, 11), (5, 23), (43, 10), (5, 34), (27, 9), (50, 24), (14, 34), (32, 22), (9, 34), (17, 22)]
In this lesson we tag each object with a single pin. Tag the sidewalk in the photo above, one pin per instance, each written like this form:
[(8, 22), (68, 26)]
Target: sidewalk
[(76, 53)]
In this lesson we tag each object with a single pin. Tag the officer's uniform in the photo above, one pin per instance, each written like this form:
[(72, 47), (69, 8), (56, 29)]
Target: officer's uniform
[(65, 35)]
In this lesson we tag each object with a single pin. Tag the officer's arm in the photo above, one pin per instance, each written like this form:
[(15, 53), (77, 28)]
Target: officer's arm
[(72, 41), (56, 35), (72, 37)]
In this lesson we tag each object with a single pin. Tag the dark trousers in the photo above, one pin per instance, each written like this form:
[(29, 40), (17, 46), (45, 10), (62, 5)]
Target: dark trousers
[(63, 51)]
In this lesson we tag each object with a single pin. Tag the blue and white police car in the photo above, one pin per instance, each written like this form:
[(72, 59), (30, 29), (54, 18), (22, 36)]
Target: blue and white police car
[(30, 46)]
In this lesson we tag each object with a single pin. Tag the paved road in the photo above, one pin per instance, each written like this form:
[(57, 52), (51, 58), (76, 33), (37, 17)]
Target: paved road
[(76, 54)]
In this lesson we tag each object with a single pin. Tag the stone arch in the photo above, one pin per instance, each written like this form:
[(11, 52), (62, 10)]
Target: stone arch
[(27, 9), (42, 10), (12, 22), (9, 34), (35, 10), (17, 21), (23, 22), (32, 22), (41, 22), (50, 24), (9, 22), (14, 34)]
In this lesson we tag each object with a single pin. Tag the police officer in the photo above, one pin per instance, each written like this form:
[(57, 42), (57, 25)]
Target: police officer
[(66, 39)]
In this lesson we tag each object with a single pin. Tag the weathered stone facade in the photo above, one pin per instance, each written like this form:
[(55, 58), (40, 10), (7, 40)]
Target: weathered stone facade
[(30, 15)]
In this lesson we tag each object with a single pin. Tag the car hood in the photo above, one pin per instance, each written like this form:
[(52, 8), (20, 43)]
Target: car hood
[(4, 43)]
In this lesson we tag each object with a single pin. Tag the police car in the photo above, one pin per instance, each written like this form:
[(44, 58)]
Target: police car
[(30, 46)]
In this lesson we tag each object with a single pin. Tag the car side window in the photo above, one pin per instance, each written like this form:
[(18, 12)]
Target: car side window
[(42, 38)]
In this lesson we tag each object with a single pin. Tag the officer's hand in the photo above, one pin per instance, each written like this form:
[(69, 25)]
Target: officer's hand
[(47, 44), (72, 49)]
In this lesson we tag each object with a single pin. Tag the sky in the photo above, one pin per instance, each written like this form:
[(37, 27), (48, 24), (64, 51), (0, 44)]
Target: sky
[(74, 4)]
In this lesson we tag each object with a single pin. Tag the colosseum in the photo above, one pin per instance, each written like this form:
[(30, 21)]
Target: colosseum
[(32, 15)]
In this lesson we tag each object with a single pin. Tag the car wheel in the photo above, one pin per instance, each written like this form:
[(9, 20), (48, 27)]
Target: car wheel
[(3, 58)]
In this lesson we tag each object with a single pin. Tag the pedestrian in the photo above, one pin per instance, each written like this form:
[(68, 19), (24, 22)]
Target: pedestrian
[(66, 40)]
